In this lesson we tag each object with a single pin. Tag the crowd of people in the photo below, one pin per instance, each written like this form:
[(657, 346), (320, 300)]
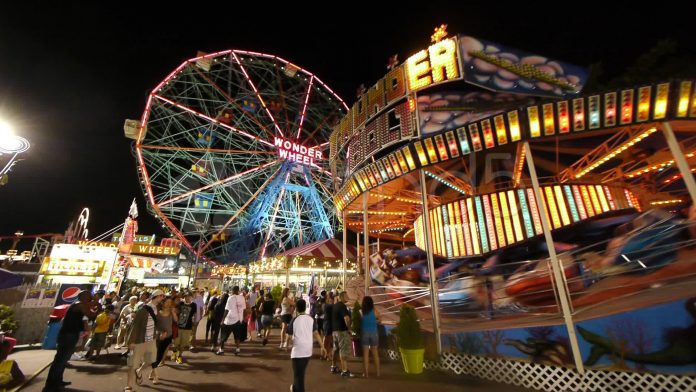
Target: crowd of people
[(151, 324)]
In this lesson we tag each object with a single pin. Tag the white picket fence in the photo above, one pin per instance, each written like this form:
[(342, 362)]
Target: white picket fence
[(555, 378)]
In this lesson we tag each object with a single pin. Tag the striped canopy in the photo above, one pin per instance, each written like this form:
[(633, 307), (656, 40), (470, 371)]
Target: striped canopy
[(326, 249)]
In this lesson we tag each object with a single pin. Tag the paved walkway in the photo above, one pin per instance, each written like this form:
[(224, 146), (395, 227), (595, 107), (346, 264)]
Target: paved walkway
[(258, 368)]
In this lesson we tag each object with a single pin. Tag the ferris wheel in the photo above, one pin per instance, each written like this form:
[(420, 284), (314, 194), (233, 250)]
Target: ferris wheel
[(232, 153)]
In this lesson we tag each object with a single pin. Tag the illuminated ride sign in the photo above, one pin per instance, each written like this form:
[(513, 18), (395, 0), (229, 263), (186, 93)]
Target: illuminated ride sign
[(292, 151)]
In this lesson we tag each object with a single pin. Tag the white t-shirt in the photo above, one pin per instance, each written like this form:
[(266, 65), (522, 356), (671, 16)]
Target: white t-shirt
[(303, 327), (251, 301), (235, 309), (150, 326), (198, 300)]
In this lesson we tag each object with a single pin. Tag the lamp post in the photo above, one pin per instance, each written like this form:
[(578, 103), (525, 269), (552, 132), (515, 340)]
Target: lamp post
[(11, 145)]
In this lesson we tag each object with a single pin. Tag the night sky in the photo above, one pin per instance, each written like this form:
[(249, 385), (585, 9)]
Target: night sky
[(70, 75)]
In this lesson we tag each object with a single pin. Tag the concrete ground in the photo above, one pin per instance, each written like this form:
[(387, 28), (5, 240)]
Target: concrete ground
[(257, 368)]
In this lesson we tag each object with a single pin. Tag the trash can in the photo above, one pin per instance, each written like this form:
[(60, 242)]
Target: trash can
[(50, 340)]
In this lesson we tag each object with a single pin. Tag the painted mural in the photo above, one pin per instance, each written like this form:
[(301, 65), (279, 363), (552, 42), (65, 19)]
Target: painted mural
[(656, 339)]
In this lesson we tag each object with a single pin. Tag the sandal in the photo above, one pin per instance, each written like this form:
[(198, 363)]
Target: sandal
[(138, 377), (127, 389)]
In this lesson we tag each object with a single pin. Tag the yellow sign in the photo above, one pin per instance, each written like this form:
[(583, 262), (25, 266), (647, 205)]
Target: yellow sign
[(437, 64), (155, 250), (72, 267), (142, 249)]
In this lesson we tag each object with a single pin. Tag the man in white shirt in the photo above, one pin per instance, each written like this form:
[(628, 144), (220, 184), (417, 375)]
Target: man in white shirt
[(301, 329), (233, 321)]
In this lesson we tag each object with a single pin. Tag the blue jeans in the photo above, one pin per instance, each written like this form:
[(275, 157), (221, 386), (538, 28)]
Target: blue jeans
[(369, 339), (66, 348)]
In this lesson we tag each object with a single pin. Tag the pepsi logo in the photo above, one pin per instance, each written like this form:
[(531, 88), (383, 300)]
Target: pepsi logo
[(70, 294)]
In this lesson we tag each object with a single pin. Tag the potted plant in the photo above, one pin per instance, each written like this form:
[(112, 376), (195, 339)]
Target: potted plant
[(355, 328), (410, 340)]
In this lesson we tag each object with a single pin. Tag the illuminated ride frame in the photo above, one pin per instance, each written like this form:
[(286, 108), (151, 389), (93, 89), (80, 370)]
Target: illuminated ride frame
[(522, 194), (231, 152)]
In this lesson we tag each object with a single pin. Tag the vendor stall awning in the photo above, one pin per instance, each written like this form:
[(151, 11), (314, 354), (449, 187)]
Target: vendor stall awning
[(9, 279), (327, 249)]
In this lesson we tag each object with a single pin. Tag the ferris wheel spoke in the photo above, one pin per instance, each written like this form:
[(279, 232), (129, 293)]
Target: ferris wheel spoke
[(241, 209), (304, 107), (206, 150), (212, 120), (321, 125), (233, 101), (216, 183), (275, 214), (282, 95), (258, 95)]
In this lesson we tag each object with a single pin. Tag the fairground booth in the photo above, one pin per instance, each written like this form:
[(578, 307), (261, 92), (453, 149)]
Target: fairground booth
[(313, 265), (541, 222)]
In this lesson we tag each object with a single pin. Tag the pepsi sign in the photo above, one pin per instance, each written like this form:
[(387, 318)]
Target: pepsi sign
[(68, 293)]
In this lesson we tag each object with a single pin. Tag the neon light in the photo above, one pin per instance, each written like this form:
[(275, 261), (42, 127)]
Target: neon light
[(551, 205), (626, 106), (463, 222), (490, 224), (602, 198), (446, 230), (561, 205), (628, 198), (430, 148), (395, 164), (495, 207), (217, 122), (535, 211), (452, 144), (534, 127), (595, 200), (636, 203), (365, 178), (593, 109), (571, 202), (253, 87), (442, 232), (291, 151), (304, 108), (440, 143), (409, 158), (458, 230), (375, 171), (563, 117), (587, 201), (644, 103), (472, 225), (382, 170), (661, 97), (421, 153), (371, 176), (402, 161), (507, 219), (609, 109), (487, 133), (578, 114), (453, 230), (475, 137), (610, 198), (514, 121), (515, 214), (525, 213), (463, 141), (549, 125), (500, 129), (684, 94), (481, 225)]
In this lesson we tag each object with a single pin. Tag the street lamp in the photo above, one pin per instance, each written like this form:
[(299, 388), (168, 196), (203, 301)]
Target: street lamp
[(10, 144)]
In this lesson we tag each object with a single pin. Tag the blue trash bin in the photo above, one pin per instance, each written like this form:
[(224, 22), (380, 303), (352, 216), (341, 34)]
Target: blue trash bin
[(50, 341)]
